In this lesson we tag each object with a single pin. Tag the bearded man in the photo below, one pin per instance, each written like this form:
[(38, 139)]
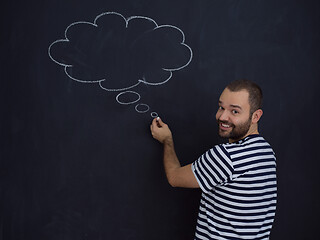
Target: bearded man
[(238, 178)]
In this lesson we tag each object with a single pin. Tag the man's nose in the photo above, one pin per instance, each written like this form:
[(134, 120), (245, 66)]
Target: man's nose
[(224, 116)]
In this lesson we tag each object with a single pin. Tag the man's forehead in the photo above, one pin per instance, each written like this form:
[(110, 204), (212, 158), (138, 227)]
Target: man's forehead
[(238, 98)]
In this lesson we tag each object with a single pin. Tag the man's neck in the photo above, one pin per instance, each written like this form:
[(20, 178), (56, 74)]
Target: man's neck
[(253, 130)]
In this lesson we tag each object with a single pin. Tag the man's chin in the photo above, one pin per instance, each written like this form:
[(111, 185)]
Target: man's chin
[(224, 134)]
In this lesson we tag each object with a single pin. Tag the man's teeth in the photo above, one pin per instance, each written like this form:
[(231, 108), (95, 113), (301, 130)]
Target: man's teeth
[(225, 125)]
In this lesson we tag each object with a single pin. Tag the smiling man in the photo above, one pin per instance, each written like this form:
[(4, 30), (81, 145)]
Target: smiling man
[(238, 178)]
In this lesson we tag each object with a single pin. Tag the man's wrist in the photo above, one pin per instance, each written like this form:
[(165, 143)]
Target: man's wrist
[(168, 141)]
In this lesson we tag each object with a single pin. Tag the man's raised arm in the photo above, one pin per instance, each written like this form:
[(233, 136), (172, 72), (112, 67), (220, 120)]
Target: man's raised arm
[(177, 176)]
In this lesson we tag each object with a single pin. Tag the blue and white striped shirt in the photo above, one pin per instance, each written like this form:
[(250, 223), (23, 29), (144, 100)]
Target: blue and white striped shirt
[(239, 190)]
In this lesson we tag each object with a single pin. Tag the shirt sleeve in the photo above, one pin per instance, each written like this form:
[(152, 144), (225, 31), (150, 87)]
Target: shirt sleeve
[(214, 167)]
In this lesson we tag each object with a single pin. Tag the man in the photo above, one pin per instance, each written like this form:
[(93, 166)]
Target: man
[(237, 179)]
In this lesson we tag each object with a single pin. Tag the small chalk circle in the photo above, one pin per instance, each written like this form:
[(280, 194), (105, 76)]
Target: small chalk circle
[(154, 115)]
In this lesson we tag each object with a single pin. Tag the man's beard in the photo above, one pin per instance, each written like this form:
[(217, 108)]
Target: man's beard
[(237, 132)]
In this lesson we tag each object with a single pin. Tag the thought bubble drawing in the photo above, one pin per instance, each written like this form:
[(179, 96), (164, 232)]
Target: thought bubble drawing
[(120, 53)]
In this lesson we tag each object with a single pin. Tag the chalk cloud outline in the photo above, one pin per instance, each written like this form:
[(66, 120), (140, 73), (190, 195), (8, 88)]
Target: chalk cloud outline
[(139, 81)]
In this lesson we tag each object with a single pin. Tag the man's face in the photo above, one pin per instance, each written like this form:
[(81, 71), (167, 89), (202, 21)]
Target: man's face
[(233, 115)]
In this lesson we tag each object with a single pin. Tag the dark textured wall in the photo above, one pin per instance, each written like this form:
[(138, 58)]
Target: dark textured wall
[(75, 164)]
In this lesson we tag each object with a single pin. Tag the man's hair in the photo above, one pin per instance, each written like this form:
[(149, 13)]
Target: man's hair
[(255, 92)]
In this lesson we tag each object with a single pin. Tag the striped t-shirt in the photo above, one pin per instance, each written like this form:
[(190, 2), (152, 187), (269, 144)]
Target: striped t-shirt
[(239, 191)]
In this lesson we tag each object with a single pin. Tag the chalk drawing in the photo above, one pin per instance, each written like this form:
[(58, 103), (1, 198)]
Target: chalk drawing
[(121, 53), (130, 101), (154, 115), (142, 108)]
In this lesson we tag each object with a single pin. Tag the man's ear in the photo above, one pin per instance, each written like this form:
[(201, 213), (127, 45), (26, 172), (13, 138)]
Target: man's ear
[(257, 115)]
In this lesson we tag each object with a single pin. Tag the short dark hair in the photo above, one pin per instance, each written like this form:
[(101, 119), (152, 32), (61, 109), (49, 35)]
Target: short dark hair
[(255, 92)]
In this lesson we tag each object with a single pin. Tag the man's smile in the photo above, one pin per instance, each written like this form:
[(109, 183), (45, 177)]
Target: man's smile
[(225, 126)]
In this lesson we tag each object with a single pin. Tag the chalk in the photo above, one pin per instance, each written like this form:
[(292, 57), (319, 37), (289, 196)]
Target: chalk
[(158, 124)]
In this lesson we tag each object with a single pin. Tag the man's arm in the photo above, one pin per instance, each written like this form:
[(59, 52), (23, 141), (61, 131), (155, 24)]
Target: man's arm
[(177, 176)]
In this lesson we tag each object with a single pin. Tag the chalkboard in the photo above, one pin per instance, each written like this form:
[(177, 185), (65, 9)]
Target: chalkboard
[(82, 80)]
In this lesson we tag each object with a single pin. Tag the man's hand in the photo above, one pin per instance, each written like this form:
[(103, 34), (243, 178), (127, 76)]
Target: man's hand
[(160, 131)]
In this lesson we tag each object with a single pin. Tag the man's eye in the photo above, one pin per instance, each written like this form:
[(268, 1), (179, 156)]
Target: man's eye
[(235, 112), (220, 108)]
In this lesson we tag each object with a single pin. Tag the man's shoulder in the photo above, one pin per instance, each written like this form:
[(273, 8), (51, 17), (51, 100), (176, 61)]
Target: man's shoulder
[(254, 141)]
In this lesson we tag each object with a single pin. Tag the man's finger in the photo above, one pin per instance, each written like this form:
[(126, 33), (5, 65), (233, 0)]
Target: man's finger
[(159, 122), (155, 123)]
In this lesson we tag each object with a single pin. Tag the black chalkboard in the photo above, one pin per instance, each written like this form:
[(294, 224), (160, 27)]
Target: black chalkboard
[(81, 81)]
